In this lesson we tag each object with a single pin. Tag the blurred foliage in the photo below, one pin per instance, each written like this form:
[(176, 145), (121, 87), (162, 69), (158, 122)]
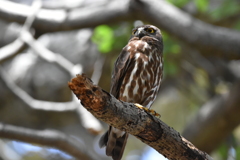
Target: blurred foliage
[(216, 11), (237, 25), (202, 5), (178, 3), (110, 38), (171, 50), (237, 149), (122, 34), (226, 9), (223, 151), (103, 37)]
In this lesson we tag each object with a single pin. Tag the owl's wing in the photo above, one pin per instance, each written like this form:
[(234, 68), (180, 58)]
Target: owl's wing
[(119, 72), (115, 140)]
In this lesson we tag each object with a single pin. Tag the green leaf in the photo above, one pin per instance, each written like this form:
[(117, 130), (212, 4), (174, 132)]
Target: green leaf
[(176, 49), (237, 25), (103, 36), (223, 150), (237, 152), (170, 68), (178, 3), (202, 5), (226, 9)]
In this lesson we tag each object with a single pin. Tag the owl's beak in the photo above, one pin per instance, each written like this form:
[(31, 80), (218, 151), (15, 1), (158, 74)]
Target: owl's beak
[(140, 33)]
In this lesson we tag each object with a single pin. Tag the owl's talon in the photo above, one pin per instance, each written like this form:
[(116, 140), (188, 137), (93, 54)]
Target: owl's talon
[(151, 111), (139, 105)]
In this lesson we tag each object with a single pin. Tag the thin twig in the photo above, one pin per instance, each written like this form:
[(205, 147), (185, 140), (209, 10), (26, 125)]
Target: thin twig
[(26, 98), (36, 6), (50, 56), (88, 121), (33, 103), (13, 48)]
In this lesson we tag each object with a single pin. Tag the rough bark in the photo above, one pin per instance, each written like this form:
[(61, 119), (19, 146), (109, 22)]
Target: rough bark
[(127, 117), (215, 120)]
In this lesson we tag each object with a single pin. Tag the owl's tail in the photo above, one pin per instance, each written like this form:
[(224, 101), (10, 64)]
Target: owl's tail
[(115, 142)]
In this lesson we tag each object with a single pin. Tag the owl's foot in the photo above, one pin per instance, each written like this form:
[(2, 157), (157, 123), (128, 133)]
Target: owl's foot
[(151, 111)]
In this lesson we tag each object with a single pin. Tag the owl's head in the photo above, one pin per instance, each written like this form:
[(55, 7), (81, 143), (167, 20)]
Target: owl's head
[(147, 30)]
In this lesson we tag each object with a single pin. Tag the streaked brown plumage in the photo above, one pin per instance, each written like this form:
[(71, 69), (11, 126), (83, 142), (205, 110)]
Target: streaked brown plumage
[(136, 78)]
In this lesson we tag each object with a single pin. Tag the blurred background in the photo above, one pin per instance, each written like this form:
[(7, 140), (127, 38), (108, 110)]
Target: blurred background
[(46, 43)]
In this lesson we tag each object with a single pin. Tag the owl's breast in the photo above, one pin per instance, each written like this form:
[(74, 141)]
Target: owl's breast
[(137, 46)]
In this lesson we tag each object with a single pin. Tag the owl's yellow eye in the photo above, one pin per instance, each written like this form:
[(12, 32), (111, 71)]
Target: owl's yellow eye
[(133, 31), (150, 30)]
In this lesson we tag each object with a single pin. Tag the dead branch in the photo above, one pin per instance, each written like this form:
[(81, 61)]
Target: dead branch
[(129, 118), (219, 114), (49, 138)]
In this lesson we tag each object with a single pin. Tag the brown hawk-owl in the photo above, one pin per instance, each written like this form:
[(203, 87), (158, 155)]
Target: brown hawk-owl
[(136, 78)]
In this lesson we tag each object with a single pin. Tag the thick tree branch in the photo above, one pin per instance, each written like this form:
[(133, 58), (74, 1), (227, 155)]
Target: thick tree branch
[(215, 120), (211, 40), (58, 20), (127, 117), (49, 138), (72, 4)]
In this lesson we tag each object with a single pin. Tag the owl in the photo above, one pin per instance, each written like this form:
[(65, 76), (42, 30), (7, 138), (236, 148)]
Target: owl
[(136, 78)]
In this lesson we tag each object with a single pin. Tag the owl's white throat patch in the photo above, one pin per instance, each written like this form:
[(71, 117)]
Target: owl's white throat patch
[(140, 29)]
